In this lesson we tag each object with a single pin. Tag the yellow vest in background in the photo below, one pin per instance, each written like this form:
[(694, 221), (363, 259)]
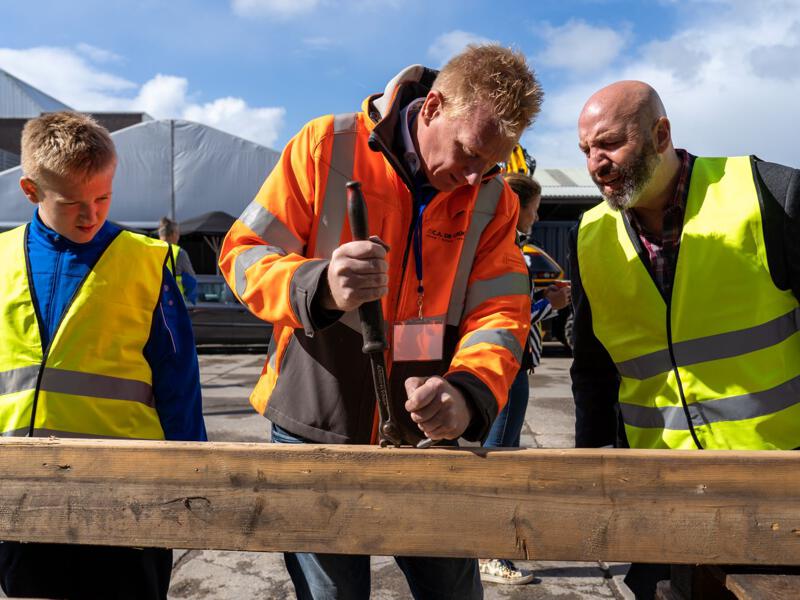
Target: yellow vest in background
[(172, 265), (719, 361), (93, 380)]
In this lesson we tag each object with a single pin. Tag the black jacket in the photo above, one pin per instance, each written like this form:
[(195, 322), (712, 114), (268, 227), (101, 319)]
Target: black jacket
[(595, 382)]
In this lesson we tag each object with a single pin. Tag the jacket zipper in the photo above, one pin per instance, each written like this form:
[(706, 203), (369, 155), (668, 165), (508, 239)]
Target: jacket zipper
[(668, 301), (414, 216), (677, 374), (46, 350)]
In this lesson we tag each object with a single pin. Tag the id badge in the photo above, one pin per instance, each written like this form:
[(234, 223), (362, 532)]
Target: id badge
[(418, 339)]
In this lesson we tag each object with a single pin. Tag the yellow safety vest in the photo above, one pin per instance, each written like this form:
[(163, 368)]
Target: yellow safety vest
[(720, 360), (93, 380), (172, 265)]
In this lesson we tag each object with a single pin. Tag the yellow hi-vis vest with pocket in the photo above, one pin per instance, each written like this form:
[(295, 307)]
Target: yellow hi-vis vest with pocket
[(717, 365), (172, 265), (93, 380)]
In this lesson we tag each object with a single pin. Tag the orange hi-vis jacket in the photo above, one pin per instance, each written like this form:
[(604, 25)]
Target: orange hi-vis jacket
[(317, 383)]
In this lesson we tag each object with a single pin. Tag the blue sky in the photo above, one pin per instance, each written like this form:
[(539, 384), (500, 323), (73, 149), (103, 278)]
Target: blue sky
[(728, 71)]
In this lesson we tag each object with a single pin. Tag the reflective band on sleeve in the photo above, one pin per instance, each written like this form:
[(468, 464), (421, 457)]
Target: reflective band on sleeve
[(340, 171), (497, 337), (247, 259), (18, 380), (485, 207), (734, 408), (510, 284), (714, 347), (269, 228), (76, 383)]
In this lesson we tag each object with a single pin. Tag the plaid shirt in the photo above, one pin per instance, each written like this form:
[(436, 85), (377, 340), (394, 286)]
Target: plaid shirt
[(663, 251)]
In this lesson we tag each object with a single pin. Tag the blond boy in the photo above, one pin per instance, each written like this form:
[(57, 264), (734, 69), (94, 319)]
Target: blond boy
[(96, 343)]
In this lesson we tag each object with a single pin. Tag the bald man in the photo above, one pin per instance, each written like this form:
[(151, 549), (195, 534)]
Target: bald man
[(687, 285), (685, 288)]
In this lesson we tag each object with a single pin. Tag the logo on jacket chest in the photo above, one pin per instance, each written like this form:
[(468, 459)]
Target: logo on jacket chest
[(448, 237)]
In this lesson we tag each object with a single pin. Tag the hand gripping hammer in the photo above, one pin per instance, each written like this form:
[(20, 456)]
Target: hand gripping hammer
[(371, 317)]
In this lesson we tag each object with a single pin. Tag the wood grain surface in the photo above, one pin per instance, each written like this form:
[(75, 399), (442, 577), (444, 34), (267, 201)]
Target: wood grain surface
[(613, 505)]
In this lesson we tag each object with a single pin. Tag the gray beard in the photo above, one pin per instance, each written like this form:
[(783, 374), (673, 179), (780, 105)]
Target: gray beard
[(635, 178)]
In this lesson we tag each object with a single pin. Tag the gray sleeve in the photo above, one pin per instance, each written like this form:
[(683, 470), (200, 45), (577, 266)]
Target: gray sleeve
[(779, 193), (184, 263)]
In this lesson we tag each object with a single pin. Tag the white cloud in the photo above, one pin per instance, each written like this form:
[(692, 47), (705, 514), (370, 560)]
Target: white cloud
[(99, 55), (288, 9), (580, 47), (276, 8), (67, 76), (451, 43), (70, 76), (235, 116), (162, 97), (729, 80)]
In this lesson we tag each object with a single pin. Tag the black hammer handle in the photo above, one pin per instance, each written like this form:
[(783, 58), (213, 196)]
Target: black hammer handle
[(371, 313)]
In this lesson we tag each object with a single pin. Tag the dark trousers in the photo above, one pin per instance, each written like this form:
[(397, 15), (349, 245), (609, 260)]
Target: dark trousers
[(642, 579), (84, 572)]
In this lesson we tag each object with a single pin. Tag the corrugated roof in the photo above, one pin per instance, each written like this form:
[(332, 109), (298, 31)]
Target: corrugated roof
[(8, 160), (573, 182), (19, 100)]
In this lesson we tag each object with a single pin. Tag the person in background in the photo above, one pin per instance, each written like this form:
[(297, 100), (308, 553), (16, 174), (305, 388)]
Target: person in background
[(507, 427), (91, 347), (665, 345), (180, 265)]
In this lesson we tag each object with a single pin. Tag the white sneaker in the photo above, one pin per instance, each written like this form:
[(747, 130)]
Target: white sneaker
[(498, 570)]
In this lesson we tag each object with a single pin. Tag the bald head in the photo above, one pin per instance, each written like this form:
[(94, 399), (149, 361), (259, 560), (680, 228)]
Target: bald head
[(624, 132), (627, 100)]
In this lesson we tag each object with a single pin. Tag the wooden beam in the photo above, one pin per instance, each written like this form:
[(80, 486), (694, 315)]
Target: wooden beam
[(580, 505)]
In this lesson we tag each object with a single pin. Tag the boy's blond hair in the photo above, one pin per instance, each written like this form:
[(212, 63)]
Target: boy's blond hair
[(492, 74), (65, 144)]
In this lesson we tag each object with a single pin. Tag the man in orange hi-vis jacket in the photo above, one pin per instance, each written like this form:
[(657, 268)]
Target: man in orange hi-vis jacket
[(442, 260)]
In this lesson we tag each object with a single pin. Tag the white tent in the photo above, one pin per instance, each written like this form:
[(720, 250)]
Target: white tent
[(175, 168)]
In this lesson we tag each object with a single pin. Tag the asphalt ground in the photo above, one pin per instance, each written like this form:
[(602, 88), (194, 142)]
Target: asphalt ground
[(227, 380)]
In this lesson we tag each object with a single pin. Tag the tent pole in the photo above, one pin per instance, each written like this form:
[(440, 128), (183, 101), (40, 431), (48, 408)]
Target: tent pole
[(214, 244), (172, 168)]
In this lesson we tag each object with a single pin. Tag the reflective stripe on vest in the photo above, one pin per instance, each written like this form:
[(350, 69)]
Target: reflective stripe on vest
[(93, 380), (172, 265), (721, 360)]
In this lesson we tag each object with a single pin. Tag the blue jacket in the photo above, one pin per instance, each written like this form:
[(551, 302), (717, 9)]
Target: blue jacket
[(58, 266)]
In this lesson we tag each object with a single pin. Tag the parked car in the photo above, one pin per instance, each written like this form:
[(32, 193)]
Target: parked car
[(545, 271), (219, 318)]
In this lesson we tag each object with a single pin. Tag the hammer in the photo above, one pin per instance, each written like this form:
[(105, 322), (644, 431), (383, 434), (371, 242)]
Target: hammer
[(371, 317)]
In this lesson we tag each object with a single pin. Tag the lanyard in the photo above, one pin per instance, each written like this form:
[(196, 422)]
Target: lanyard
[(417, 239)]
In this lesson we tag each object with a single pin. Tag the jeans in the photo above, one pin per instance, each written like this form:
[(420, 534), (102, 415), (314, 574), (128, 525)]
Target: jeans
[(342, 576), (507, 427)]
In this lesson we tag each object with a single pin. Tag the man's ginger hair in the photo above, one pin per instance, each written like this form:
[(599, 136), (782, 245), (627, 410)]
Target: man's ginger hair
[(65, 144), (494, 75)]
